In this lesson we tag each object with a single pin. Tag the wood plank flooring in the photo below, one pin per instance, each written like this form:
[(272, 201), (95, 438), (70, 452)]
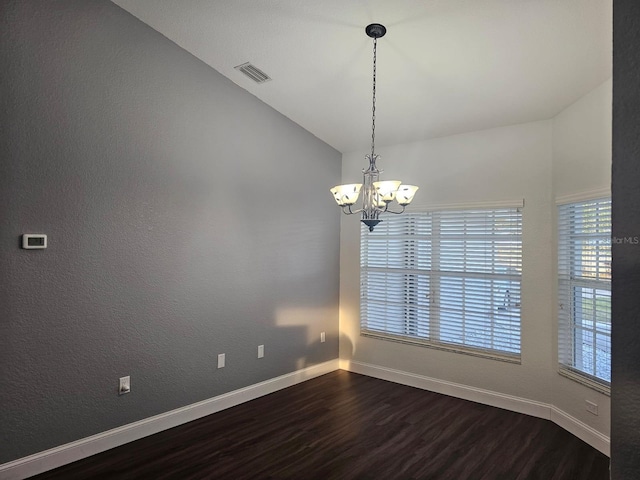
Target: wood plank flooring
[(348, 426)]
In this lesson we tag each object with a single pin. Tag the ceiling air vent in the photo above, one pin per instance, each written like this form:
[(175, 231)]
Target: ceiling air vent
[(253, 73)]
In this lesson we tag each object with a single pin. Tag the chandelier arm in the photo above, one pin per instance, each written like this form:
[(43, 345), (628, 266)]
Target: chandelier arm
[(349, 211), (397, 213), (373, 212)]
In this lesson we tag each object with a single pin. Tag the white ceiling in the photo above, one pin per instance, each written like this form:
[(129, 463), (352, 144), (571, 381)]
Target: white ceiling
[(444, 67)]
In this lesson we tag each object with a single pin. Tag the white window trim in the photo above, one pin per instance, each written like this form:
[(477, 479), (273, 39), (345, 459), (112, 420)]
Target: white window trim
[(583, 379), (584, 196)]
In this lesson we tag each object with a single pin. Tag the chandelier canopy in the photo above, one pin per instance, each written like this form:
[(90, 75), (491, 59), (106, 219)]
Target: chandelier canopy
[(376, 195)]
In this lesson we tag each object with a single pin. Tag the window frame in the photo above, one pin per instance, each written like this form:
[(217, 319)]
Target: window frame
[(434, 337), (572, 285)]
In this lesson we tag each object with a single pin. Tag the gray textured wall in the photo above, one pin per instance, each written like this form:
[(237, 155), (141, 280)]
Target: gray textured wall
[(625, 381), (185, 219)]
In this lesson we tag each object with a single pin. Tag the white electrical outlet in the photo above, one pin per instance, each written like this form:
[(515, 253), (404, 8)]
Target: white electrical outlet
[(260, 351), (322, 337), (125, 385), (591, 407), (221, 360)]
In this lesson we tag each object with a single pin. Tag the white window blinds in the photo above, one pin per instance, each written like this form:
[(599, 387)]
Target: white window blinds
[(449, 279), (584, 290)]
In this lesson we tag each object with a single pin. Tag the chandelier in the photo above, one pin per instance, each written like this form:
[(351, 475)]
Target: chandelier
[(376, 195)]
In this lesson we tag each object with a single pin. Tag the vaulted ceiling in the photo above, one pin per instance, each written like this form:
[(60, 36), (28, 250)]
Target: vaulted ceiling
[(444, 67)]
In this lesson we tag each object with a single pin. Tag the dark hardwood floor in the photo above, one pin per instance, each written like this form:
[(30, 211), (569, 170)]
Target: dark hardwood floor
[(348, 426)]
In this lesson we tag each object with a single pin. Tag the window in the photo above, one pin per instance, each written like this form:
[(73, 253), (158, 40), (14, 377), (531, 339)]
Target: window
[(446, 279), (584, 290)]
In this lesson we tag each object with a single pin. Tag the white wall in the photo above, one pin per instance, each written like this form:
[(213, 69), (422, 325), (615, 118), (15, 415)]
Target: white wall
[(582, 144), (494, 166)]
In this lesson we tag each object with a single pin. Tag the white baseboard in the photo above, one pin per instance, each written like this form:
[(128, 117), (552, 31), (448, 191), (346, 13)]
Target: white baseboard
[(516, 404), (581, 430), (71, 452)]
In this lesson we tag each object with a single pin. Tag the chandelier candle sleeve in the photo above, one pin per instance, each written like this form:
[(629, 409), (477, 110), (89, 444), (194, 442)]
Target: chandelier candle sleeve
[(376, 195)]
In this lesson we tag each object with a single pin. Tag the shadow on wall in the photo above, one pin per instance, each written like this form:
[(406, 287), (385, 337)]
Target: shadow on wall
[(312, 323), (316, 352)]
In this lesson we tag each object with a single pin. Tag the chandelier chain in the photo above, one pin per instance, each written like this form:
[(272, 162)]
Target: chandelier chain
[(373, 108)]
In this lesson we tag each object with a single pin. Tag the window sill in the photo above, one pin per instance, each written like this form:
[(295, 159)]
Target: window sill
[(508, 358), (585, 380)]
